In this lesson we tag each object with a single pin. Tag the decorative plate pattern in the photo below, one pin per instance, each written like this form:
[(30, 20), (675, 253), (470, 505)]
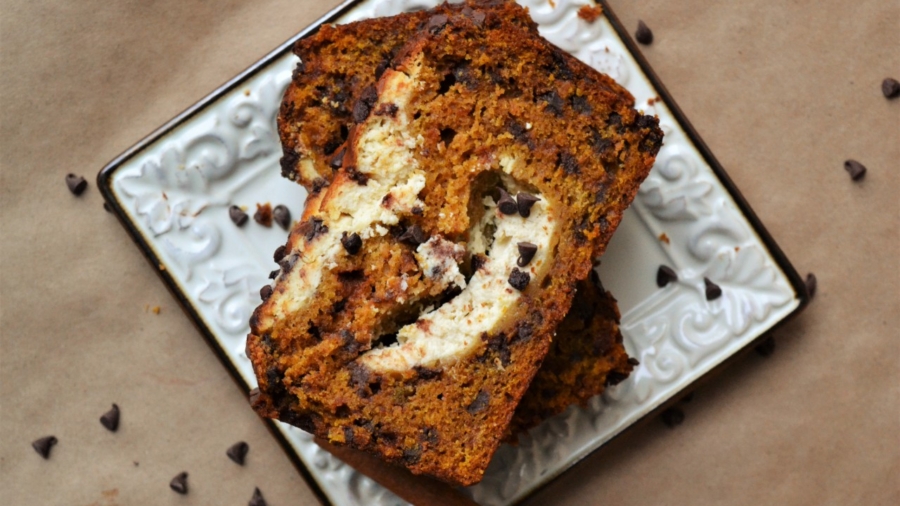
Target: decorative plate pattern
[(177, 192)]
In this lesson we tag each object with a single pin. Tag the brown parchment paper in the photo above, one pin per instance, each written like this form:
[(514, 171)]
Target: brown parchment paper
[(783, 92)]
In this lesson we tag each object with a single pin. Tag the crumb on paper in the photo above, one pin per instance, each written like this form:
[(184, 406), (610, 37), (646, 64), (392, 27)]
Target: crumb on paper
[(552, 3), (162, 267), (590, 13), (246, 93), (737, 248), (664, 238), (263, 214), (156, 309)]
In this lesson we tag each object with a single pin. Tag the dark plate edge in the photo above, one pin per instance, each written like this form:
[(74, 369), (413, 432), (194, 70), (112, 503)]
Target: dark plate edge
[(797, 283), (104, 184)]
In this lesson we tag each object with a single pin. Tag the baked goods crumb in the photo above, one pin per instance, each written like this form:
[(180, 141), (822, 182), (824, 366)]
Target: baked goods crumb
[(590, 13), (155, 309), (766, 348), (263, 214), (713, 291), (179, 483), (856, 170), (44, 445), (238, 452), (237, 216), (110, 419), (76, 184), (665, 275), (672, 417), (664, 238), (890, 87), (643, 34)]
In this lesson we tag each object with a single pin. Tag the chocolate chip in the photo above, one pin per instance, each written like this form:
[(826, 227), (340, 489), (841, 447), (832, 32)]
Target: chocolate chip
[(387, 109), (524, 203), (435, 23), (110, 419), (506, 204), (282, 216), (554, 102), (857, 170), (526, 253), (338, 159), (413, 235), (890, 87), (257, 499), (811, 284), (107, 207), (360, 112), (351, 242), (672, 417), (665, 275), (44, 445), (416, 210), (713, 291), (237, 452), (479, 403), (76, 184), (519, 279), (179, 483), (633, 362), (265, 292), (274, 274), (279, 253), (766, 348), (237, 215), (263, 214), (643, 34), (569, 164)]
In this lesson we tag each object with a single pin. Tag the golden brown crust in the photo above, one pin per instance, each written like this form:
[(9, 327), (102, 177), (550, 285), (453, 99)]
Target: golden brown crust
[(574, 139)]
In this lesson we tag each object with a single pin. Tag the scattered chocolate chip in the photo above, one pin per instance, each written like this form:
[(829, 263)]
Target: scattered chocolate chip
[(413, 235), (527, 251), (237, 452), (360, 111), (265, 292), (107, 207), (519, 279), (179, 483), (766, 348), (633, 362), (313, 228), (890, 87), (282, 216), (237, 215), (857, 170), (479, 403), (524, 203), (76, 184), (672, 417), (263, 214), (713, 291), (665, 275), (351, 242), (280, 251), (44, 445), (274, 274), (811, 284), (257, 499), (506, 204), (435, 23), (643, 34), (110, 419)]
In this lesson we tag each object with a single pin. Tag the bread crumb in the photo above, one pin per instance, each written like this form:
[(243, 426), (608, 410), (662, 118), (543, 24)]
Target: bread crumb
[(590, 13), (156, 309), (552, 3), (162, 267), (664, 238), (263, 214)]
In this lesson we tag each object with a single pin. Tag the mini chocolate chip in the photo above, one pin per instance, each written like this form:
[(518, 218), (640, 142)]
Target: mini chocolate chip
[(416, 210), (179, 483), (44, 445), (613, 378), (672, 417), (435, 23), (665, 275), (633, 362), (110, 419), (237, 215), (282, 216), (766, 348), (351, 242), (237, 452), (265, 292), (107, 207), (257, 499), (506, 204), (524, 203), (890, 87), (811, 284), (360, 111), (479, 402), (713, 291), (857, 170), (338, 159), (274, 274), (413, 235), (519, 279), (279, 253), (527, 251), (643, 34), (76, 184)]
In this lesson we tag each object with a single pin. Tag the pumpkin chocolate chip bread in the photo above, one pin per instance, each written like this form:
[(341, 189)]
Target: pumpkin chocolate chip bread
[(419, 294)]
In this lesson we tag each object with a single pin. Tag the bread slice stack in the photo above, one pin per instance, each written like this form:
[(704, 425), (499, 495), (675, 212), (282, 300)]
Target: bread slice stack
[(437, 296)]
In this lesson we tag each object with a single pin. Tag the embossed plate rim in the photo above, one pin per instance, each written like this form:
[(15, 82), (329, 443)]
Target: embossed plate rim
[(104, 180)]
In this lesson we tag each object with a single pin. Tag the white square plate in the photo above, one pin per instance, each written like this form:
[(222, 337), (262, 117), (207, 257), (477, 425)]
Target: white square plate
[(172, 192)]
